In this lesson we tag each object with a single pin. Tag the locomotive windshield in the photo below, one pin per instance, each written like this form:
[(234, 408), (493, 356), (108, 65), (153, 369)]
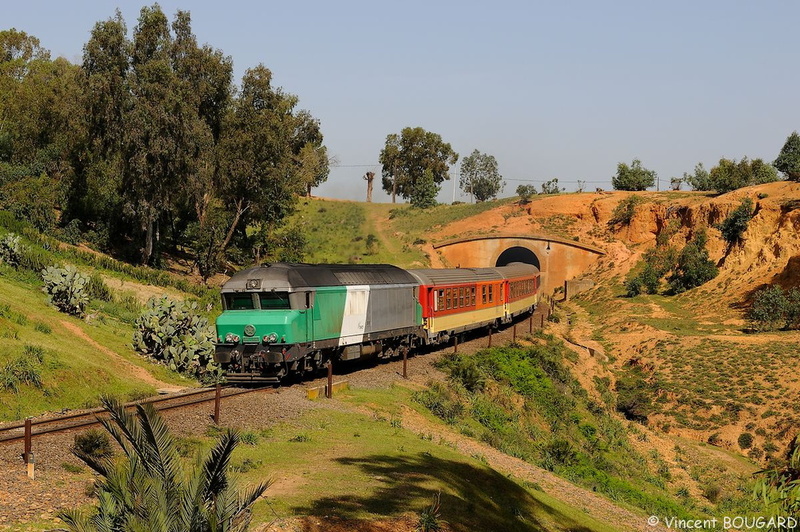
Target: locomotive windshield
[(264, 301), (238, 301), (274, 300)]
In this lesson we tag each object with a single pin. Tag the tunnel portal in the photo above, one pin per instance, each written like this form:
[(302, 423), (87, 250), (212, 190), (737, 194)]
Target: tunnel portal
[(518, 254)]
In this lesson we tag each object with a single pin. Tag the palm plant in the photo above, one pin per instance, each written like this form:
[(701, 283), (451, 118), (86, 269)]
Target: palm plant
[(148, 489)]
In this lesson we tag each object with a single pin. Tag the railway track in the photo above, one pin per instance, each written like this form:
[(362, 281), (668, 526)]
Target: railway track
[(16, 431)]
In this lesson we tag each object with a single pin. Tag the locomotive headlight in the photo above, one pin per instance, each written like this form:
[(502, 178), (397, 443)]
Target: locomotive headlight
[(232, 338), (272, 338)]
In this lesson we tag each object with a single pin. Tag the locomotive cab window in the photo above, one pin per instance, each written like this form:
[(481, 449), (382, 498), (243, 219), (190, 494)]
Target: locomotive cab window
[(238, 301), (274, 300)]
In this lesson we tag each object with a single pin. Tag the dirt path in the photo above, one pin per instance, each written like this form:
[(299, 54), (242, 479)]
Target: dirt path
[(129, 368)]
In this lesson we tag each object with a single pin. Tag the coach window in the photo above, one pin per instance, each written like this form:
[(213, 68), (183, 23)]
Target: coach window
[(461, 297), (473, 296), (483, 294), (439, 300), (491, 298), (448, 298)]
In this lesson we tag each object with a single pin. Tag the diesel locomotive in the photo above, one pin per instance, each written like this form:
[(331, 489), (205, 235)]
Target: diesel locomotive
[(283, 319)]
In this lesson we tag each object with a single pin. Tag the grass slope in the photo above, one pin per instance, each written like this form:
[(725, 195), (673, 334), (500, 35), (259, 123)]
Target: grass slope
[(73, 372)]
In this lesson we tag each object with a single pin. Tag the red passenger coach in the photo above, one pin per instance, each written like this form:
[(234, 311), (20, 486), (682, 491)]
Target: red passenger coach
[(461, 299)]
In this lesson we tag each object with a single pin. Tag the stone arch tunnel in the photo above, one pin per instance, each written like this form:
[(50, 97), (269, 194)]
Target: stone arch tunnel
[(558, 258)]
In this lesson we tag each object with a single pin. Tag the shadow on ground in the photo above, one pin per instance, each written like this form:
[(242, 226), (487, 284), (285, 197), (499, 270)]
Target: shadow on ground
[(473, 497)]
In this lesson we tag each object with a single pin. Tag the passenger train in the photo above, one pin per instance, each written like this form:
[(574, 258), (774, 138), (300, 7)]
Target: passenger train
[(283, 319)]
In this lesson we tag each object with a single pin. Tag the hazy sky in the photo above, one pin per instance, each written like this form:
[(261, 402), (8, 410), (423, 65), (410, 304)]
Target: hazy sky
[(551, 89)]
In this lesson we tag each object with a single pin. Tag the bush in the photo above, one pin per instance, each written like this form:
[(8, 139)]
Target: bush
[(658, 262), (526, 192), (173, 333), (94, 444), (551, 187), (625, 210), (775, 309), (66, 289), (440, 402), (98, 289), (734, 226), (693, 267), (633, 397), (745, 440)]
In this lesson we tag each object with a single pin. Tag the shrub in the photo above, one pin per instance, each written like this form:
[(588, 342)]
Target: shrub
[(173, 333), (711, 492), (745, 440), (526, 192), (465, 370), (734, 226), (372, 244), (551, 187), (98, 289), (658, 261), (440, 402), (66, 289), (633, 397), (775, 309), (557, 453), (693, 267), (625, 210), (94, 444)]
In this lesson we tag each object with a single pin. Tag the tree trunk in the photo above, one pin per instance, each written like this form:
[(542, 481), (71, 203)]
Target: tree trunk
[(370, 177), (147, 252)]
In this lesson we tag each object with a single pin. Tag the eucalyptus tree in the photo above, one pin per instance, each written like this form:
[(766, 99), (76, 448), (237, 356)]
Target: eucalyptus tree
[(480, 176), (406, 157)]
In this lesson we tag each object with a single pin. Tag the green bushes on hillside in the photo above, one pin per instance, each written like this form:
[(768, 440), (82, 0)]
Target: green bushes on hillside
[(773, 308), (734, 226), (690, 267), (525, 402)]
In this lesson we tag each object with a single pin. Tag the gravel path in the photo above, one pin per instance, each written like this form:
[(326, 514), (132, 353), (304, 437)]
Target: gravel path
[(56, 487)]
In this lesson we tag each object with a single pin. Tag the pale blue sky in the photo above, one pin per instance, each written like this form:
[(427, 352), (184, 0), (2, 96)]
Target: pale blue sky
[(551, 89)]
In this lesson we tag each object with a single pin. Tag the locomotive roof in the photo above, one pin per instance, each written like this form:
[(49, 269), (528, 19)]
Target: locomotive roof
[(286, 276), (434, 277)]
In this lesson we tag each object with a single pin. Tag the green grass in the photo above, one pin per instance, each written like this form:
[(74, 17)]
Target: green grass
[(417, 223), (365, 466), (339, 232), (73, 372)]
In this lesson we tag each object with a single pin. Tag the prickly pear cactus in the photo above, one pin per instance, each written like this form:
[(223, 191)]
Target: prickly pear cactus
[(66, 289), (10, 250), (173, 333)]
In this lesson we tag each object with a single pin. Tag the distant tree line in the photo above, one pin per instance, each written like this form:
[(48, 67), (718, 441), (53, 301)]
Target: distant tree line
[(149, 146), (727, 175)]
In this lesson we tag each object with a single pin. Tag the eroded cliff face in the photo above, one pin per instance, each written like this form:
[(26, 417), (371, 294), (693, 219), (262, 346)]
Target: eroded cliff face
[(768, 253)]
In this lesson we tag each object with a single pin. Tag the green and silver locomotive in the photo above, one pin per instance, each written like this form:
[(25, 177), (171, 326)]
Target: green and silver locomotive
[(282, 319)]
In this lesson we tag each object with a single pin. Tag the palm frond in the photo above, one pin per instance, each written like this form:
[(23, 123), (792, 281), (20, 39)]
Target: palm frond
[(216, 465)]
